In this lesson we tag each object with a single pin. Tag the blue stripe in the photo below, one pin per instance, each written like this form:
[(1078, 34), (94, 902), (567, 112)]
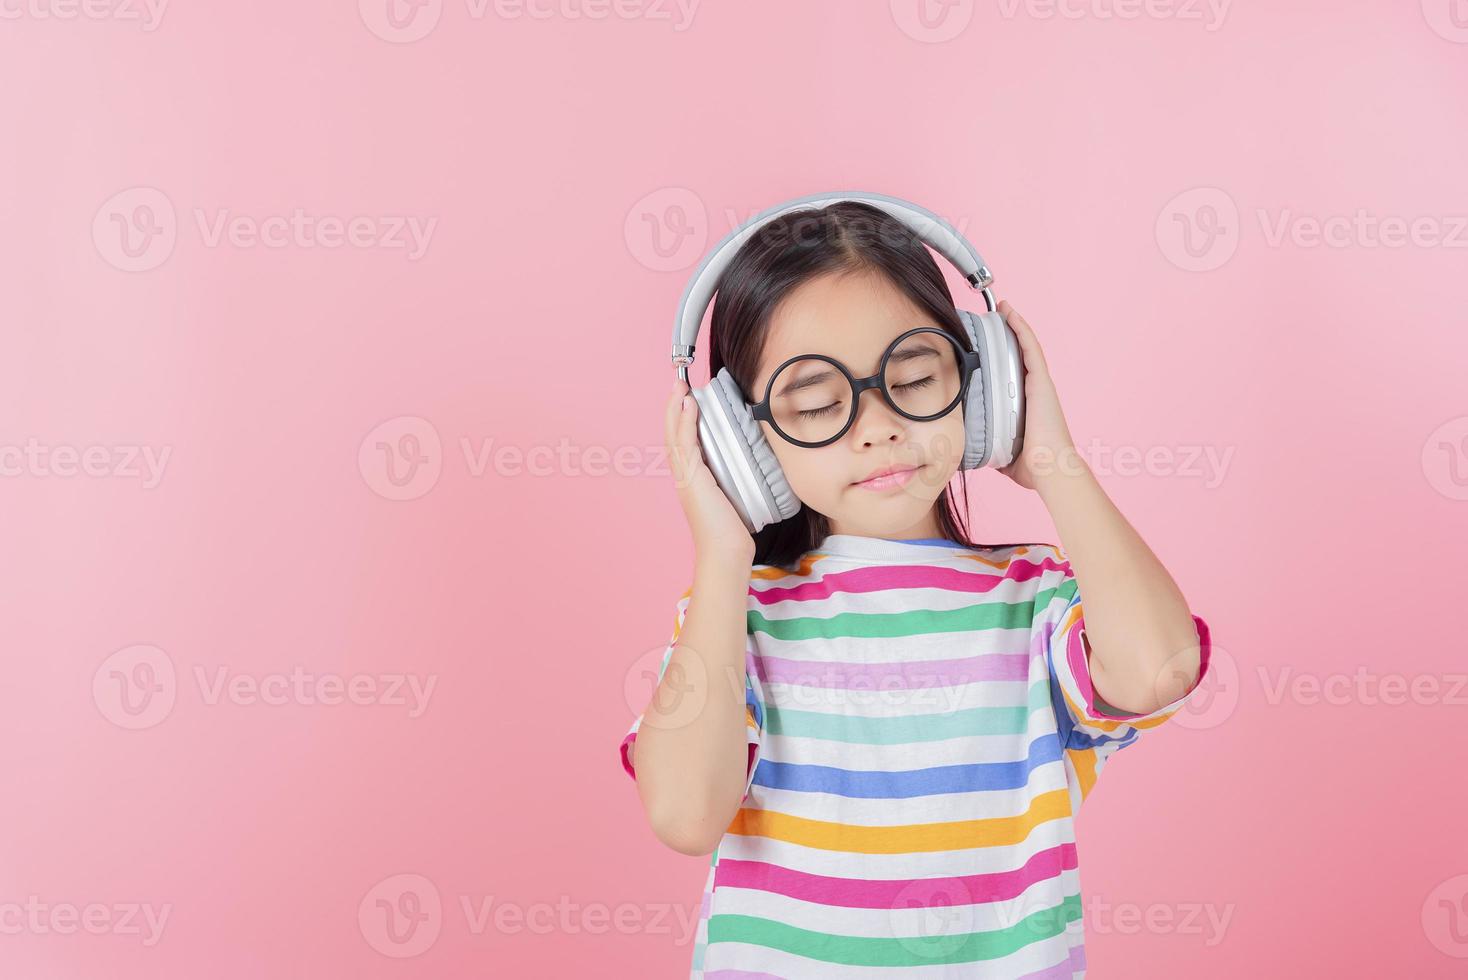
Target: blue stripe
[(907, 783)]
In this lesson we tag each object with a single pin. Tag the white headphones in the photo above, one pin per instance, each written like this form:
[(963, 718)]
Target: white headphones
[(734, 445)]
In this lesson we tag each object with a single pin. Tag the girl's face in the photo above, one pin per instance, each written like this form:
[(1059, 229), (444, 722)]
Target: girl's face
[(854, 318)]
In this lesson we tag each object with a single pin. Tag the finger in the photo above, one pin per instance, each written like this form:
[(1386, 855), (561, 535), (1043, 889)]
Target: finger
[(1028, 342), (688, 437), (672, 422)]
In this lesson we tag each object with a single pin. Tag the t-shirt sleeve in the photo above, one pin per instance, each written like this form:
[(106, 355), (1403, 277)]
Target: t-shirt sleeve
[(1085, 720), (754, 702)]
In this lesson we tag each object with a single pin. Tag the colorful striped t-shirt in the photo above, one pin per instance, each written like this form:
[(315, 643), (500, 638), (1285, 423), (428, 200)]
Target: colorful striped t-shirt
[(922, 730)]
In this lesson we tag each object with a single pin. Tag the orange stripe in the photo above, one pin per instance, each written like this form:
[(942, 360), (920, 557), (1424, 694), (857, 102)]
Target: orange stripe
[(903, 838), (1084, 763)]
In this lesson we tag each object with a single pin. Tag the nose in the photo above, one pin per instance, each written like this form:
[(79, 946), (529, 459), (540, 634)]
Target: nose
[(876, 422)]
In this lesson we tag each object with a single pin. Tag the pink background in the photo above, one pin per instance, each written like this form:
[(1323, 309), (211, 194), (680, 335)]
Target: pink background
[(575, 170)]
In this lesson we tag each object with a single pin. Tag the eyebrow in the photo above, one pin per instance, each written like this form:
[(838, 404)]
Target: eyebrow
[(908, 352), (808, 381)]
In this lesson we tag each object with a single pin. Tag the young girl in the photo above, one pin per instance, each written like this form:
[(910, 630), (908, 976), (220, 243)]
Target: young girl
[(880, 729)]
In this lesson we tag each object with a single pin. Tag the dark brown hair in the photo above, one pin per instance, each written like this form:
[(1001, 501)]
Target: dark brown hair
[(845, 237)]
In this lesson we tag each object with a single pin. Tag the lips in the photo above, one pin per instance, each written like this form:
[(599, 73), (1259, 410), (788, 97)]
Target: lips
[(885, 475)]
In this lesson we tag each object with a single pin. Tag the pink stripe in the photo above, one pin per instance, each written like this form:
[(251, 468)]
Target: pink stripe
[(899, 892), (887, 676), (1061, 971), (906, 577), (631, 737)]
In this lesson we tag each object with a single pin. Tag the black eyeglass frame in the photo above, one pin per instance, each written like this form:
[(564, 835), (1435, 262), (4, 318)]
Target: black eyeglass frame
[(968, 363)]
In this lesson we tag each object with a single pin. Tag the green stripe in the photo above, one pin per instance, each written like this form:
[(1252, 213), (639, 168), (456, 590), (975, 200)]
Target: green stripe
[(913, 951), (914, 622), (1065, 590), (907, 728)]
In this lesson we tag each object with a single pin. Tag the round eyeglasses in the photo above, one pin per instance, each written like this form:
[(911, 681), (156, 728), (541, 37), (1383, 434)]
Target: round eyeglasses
[(810, 400)]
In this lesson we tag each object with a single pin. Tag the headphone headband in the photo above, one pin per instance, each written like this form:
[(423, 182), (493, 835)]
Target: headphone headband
[(929, 227)]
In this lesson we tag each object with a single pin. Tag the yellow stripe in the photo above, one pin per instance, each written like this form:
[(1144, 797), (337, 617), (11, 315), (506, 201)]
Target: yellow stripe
[(1084, 763), (903, 838)]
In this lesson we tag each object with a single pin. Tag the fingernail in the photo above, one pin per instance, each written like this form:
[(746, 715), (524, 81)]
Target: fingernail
[(687, 401)]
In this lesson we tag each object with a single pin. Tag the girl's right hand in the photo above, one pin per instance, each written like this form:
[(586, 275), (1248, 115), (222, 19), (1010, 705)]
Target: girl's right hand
[(716, 526)]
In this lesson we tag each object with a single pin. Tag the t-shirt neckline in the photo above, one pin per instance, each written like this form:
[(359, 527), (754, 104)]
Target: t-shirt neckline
[(860, 546)]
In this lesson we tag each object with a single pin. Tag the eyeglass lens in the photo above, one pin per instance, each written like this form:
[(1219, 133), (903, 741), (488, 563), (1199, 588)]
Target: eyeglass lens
[(811, 400)]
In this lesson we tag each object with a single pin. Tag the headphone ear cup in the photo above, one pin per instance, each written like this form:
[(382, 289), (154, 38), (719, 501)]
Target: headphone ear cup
[(976, 450), (1000, 399), (740, 458)]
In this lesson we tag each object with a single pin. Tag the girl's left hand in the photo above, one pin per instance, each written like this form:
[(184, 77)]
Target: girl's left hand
[(1048, 449)]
